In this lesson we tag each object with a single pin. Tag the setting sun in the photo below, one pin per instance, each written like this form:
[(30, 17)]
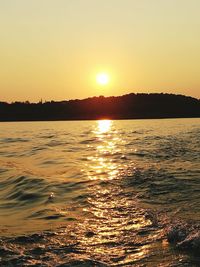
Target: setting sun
[(102, 78)]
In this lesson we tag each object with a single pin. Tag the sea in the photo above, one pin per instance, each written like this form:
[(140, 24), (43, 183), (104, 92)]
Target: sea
[(100, 193)]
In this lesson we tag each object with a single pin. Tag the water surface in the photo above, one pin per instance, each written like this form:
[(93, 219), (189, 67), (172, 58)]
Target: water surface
[(98, 193)]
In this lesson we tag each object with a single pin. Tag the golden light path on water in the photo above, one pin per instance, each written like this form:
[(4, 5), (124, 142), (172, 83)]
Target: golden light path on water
[(114, 214), (102, 165)]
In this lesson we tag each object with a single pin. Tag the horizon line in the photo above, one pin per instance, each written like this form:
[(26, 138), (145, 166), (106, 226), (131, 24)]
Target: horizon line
[(89, 97)]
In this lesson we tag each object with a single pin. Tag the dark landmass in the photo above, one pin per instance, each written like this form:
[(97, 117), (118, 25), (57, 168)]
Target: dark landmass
[(130, 106)]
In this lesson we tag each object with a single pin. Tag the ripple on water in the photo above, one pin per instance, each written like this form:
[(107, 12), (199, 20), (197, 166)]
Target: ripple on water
[(13, 140)]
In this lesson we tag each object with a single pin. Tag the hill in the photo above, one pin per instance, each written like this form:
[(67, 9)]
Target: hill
[(130, 106)]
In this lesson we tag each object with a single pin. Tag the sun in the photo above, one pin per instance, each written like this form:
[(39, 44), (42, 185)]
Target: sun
[(102, 78)]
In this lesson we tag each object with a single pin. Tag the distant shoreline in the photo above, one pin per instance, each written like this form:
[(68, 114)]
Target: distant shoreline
[(124, 119), (126, 107)]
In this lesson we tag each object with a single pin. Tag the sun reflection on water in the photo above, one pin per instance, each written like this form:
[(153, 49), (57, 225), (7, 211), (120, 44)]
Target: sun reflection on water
[(102, 164), (114, 214), (104, 126)]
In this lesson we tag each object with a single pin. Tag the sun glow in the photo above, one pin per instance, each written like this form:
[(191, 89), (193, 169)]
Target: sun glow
[(104, 126), (102, 78)]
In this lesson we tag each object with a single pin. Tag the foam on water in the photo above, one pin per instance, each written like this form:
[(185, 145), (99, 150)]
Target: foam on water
[(100, 193)]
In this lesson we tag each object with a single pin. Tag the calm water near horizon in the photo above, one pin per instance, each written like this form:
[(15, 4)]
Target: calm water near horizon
[(100, 193)]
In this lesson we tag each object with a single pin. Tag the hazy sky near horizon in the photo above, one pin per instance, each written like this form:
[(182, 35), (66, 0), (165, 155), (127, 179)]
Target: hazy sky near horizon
[(53, 49)]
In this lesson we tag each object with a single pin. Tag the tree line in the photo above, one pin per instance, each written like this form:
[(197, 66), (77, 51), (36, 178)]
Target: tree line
[(129, 106)]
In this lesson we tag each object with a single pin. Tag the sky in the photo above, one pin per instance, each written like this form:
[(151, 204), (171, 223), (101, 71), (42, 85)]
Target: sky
[(53, 49)]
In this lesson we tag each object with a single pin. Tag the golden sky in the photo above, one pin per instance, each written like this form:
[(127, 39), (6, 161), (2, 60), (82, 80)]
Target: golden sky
[(53, 49)]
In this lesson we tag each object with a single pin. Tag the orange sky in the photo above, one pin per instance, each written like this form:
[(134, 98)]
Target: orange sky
[(54, 49)]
